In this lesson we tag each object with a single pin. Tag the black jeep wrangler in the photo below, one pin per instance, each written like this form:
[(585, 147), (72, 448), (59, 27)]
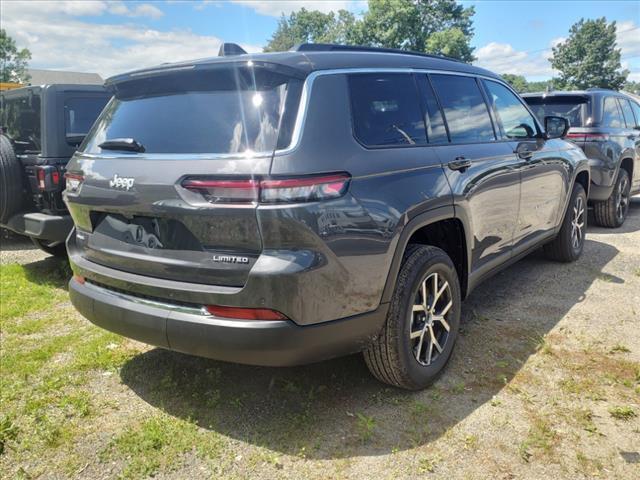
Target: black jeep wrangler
[(41, 128)]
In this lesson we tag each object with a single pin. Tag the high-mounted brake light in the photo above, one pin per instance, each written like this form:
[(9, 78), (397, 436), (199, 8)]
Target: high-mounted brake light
[(240, 313), (270, 190)]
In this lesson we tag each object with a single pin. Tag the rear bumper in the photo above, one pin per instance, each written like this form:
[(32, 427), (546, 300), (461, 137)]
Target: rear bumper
[(190, 330), (41, 225)]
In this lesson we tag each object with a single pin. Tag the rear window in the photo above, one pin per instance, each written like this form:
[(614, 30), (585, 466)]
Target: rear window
[(21, 122), (573, 108), (81, 112), (215, 111), (386, 110)]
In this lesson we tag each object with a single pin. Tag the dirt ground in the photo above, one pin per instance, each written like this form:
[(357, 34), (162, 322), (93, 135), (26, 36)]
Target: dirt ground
[(544, 383)]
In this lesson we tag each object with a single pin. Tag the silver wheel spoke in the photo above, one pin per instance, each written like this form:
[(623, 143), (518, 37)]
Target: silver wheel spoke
[(418, 308), (415, 334), (430, 353)]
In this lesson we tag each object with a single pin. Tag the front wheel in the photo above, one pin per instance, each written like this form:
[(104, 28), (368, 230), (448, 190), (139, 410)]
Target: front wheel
[(422, 323), (57, 249), (569, 243)]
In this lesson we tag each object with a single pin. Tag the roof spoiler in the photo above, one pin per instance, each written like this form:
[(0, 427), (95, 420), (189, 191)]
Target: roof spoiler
[(231, 49)]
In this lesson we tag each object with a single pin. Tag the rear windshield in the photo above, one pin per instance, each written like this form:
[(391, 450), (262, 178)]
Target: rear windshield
[(21, 122), (216, 111), (573, 108), (81, 112)]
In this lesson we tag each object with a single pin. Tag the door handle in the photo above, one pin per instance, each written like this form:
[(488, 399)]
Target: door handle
[(460, 163)]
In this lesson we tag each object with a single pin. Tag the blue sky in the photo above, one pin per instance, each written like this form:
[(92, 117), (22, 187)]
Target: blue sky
[(111, 37)]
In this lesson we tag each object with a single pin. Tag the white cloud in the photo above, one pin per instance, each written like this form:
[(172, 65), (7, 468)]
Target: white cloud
[(140, 10), (628, 38), (58, 39), (503, 58), (275, 8)]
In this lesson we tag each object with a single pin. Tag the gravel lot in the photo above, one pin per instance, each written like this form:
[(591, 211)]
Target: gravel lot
[(544, 383)]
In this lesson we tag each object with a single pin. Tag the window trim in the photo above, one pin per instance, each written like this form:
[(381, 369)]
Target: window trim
[(624, 117)]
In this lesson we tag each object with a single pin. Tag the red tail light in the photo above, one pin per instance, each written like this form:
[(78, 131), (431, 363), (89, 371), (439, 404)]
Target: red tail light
[(270, 190), (588, 137), (47, 178), (79, 278), (239, 313), (73, 181), (42, 178)]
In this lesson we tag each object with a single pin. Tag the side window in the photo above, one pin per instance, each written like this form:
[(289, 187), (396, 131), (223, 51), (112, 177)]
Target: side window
[(464, 108), (611, 116), (626, 112), (436, 131), (636, 112), (81, 112), (386, 110), (516, 121)]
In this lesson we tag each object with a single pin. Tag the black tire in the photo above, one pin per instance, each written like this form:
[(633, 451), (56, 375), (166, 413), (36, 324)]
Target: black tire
[(569, 243), (10, 181), (57, 249), (392, 357), (612, 212)]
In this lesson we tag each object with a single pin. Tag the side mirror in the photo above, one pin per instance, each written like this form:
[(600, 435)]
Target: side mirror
[(555, 127)]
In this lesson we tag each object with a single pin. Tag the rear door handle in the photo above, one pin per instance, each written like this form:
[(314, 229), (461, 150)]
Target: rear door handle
[(460, 163)]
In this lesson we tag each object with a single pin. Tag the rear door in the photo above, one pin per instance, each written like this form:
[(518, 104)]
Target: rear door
[(165, 183), (633, 136), (482, 171)]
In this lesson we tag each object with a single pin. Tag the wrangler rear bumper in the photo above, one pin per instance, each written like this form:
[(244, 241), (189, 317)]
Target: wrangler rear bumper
[(41, 225)]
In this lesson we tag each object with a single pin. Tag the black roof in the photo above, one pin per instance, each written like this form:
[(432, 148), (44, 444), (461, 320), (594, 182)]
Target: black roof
[(308, 60)]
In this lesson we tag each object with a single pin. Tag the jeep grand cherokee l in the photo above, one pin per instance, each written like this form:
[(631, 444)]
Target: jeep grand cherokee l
[(606, 125), (284, 208)]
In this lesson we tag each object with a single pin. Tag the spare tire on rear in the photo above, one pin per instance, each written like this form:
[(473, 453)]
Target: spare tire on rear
[(10, 181)]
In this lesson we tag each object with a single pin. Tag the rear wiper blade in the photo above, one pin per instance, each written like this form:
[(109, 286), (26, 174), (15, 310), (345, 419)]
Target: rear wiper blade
[(128, 144)]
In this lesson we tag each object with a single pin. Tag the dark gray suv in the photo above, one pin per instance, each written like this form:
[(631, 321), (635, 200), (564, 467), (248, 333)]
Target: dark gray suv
[(606, 125), (284, 208)]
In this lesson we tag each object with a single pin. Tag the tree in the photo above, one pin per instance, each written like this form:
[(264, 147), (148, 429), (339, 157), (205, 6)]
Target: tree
[(435, 26), (518, 82), (13, 62), (632, 87), (306, 26), (409, 24), (452, 43), (589, 57)]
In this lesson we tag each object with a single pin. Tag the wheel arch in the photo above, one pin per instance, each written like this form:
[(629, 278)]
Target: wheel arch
[(439, 228), (627, 164)]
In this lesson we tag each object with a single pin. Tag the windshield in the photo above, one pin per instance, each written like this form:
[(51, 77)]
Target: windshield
[(21, 122), (573, 108), (201, 112)]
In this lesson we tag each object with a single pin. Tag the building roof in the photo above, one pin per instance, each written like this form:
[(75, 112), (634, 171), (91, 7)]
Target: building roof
[(49, 77)]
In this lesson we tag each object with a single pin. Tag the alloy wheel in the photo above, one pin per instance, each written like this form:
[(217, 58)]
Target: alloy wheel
[(622, 199), (577, 223), (429, 329)]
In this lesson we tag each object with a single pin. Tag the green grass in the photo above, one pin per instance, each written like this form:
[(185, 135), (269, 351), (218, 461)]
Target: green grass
[(622, 413)]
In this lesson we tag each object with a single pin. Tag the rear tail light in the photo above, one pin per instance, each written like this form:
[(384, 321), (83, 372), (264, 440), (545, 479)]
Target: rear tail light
[(47, 178), (270, 190), (588, 137), (79, 278), (240, 313), (73, 181)]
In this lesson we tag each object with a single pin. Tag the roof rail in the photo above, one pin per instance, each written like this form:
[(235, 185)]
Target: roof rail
[(230, 49), (332, 47), (595, 89)]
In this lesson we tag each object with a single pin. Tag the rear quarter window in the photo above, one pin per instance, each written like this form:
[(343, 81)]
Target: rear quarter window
[(386, 110), (611, 116)]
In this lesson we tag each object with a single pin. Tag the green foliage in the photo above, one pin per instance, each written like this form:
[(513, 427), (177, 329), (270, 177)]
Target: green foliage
[(435, 26), (632, 87), (306, 26), (451, 43), (13, 62), (521, 85), (589, 57)]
